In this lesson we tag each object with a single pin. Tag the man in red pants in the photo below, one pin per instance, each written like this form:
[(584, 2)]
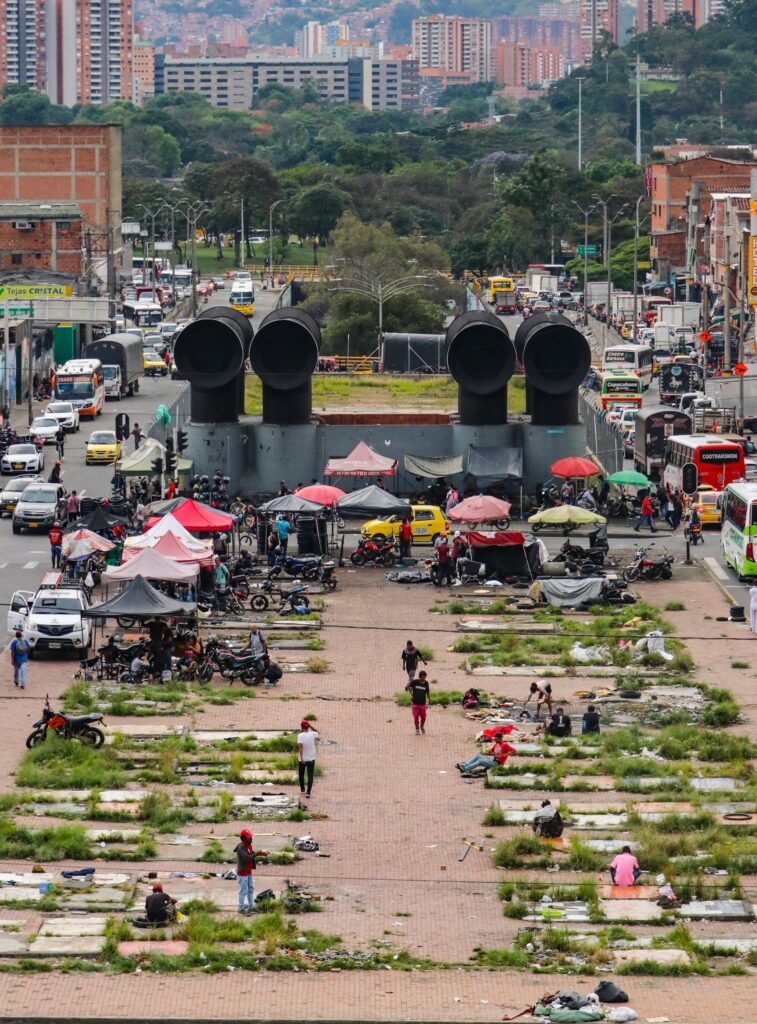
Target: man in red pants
[(419, 695)]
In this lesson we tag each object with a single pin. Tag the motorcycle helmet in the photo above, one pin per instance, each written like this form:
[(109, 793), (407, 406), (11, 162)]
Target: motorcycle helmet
[(56, 523)]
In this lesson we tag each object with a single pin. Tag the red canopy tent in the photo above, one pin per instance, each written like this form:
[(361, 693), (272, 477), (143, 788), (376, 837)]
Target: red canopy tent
[(362, 461), (197, 518)]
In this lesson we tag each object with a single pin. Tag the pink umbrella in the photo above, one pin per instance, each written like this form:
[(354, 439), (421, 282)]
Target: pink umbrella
[(481, 508), (321, 494)]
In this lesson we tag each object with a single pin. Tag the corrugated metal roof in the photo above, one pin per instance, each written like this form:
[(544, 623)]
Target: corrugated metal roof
[(40, 211)]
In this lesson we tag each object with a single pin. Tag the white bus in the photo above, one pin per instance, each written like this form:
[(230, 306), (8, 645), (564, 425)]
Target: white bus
[(738, 531), (637, 358), (142, 313)]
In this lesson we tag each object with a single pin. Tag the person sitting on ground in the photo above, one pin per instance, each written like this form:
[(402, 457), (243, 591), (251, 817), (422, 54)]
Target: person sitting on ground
[(548, 821), (590, 720), (160, 908), (243, 563), (625, 870), (192, 654), (498, 754), (139, 666), (559, 725)]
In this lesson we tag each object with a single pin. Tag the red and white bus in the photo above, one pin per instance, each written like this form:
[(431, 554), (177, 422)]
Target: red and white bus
[(718, 462)]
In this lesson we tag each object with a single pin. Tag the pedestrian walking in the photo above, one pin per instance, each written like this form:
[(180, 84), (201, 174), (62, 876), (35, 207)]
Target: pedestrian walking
[(256, 643), (306, 756), (410, 658), (666, 511), (645, 515), (246, 864), (56, 545), (419, 696), (677, 508), (406, 538), (136, 433), (19, 649), (72, 507), (60, 442), (444, 562), (283, 527)]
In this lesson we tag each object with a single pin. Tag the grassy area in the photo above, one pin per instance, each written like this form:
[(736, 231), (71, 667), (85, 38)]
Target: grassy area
[(363, 392), (295, 255)]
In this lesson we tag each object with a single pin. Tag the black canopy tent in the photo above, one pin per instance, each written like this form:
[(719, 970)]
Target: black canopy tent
[(311, 528), (99, 521), (287, 504), (139, 600), (372, 501)]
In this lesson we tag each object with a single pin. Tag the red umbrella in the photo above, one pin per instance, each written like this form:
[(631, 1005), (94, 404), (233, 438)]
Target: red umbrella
[(321, 494), (481, 508), (575, 466)]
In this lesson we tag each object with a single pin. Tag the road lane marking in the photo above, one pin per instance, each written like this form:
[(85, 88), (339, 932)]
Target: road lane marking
[(717, 569), (30, 565)]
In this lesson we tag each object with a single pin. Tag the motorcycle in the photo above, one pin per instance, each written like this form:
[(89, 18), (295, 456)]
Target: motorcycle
[(306, 568), (693, 533), (327, 576), (67, 727), (643, 568), (370, 551), (293, 600), (250, 670)]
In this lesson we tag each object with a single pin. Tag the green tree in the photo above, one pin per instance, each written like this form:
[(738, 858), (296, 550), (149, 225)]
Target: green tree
[(315, 211), (149, 149), (540, 187)]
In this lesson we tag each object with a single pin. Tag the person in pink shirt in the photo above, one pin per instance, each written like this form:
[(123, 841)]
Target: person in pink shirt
[(625, 869)]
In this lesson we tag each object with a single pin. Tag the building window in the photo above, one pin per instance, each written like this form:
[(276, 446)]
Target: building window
[(17, 258), (64, 225)]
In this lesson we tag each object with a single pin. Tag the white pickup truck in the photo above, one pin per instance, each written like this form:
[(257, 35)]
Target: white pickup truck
[(51, 619)]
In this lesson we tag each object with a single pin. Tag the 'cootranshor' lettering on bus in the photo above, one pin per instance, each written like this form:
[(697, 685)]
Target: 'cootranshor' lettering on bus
[(722, 455)]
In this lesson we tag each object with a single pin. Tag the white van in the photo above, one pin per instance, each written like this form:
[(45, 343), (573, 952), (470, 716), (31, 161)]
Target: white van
[(51, 619)]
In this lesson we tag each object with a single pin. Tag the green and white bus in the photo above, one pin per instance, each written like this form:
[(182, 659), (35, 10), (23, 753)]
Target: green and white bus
[(738, 534)]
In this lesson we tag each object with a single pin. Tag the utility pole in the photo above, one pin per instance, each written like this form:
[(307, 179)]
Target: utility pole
[(586, 214), (743, 250), (638, 110), (580, 123), (727, 310), (636, 268)]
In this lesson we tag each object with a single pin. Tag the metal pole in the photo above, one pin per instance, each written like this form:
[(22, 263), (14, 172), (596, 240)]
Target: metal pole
[(636, 271), (7, 349), (30, 368), (193, 226), (727, 312), (586, 266), (609, 271), (742, 327), (580, 123), (638, 111), (242, 239)]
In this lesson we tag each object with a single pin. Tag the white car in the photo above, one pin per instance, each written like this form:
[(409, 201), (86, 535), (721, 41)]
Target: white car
[(242, 277), (45, 427), (22, 458), (65, 414)]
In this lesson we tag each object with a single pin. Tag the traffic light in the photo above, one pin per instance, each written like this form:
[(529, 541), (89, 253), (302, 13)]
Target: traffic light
[(122, 426), (182, 441), (170, 456), (689, 478), (157, 466)]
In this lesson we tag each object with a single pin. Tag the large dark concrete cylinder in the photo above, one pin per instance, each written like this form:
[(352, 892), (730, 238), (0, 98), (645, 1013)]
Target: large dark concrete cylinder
[(210, 353), (481, 358), (284, 354), (556, 358)]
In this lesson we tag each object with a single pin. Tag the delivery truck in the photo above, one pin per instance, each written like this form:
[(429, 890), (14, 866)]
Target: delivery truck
[(121, 356)]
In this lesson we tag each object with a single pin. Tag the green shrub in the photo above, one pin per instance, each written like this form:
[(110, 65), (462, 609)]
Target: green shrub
[(494, 815), (510, 852)]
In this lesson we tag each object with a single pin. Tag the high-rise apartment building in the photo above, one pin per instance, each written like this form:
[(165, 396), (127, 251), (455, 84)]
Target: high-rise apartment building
[(22, 43), (604, 14), (454, 44), (518, 64), (657, 12), (144, 71), (315, 39)]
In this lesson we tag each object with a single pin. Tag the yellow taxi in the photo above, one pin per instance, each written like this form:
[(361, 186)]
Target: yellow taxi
[(102, 446), (427, 522), (153, 364), (705, 501)]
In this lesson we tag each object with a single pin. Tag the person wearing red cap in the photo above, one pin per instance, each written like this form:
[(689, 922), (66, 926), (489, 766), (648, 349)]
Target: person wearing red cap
[(245, 866), (160, 908), (306, 756)]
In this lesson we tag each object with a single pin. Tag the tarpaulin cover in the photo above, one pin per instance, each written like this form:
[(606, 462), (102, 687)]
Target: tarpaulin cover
[(494, 538), (372, 501), (321, 494), (568, 593), (138, 600), (153, 566), (198, 518), (490, 463), (434, 468), (406, 353), (289, 503), (85, 541), (100, 520), (139, 463), (508, 557), (480, 508), (362, 461)]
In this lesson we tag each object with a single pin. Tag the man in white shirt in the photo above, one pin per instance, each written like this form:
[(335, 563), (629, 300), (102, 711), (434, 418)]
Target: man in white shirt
[(256, 645), (306, 756)]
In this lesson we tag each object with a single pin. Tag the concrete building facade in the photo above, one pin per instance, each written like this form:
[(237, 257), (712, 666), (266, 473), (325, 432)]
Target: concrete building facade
[(23, 43), (606, 13), (454, 44)]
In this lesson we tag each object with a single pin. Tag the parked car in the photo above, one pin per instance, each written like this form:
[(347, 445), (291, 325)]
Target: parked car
[(45, 427), (102, 446), (39, 506), (427, 523), (51, 619), (23, 458), (10, 494), (64, 414)]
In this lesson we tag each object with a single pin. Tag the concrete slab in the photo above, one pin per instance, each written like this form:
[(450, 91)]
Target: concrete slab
[(113, 899), (123, 796), (81, 924), (114, 834), (630, 910), (270, 800), (69, 945), (598, 822), (169, 947), (680, 694), (52, 810), (716, 784), (524, 781), (650, 782), (222, 735), (609, 845), (602, 783), (283, 777), (566, 911), (143, 730), (740, 945), (13, 945), (30, 878), (19, 894), (626, 892), (717, 910), (657, 956), (643, 808)]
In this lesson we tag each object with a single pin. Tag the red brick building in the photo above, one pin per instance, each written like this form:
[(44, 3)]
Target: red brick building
[(48, 236)]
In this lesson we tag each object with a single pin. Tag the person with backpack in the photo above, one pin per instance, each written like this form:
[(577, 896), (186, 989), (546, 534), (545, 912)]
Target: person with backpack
[(19, 649), (410, 658), (419, 695)]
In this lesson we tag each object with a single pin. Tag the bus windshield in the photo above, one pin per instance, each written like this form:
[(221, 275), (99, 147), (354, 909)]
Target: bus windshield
[(619, 357), (74, 387)]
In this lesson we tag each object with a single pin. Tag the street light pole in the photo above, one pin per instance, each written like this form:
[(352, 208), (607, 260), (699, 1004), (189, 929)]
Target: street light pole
[(636, 268), (586, 214), (580, 123), (271, 208), (638, 110), (363, 283)]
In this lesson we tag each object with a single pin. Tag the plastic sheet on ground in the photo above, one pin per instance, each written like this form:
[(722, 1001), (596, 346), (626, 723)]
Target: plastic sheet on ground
[(652, 643), (408, 576), (568, 593), (598, 654)]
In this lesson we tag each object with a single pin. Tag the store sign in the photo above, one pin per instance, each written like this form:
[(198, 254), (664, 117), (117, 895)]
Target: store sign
[(35, 291)]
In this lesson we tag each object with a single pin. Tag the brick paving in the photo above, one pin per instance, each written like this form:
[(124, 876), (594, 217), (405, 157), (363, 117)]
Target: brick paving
[(397, 813)]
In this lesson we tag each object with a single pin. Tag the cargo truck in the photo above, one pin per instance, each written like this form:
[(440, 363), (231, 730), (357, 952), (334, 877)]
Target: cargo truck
[(679, 378), (121, 356)]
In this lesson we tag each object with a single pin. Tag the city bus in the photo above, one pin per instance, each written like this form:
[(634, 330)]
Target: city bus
[(630, 358), (718, 462), (81, 382), (502, 292), (738, 532), (649, 306), (142, 313), (617, 387), (651, 430), (242, 297)]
